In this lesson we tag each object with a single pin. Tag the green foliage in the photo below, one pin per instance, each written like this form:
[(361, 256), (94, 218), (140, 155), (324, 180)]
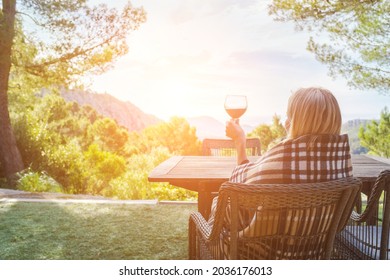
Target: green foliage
[(55, 43), (66, 163), (37, 182), (108, 135), (71, 39), (376, 136), (358, 30), (263, 131), (268, 134), (352, 128), (46, 43), (134, 183), (87, 153), (102, 167), (177, 135), (64, 119), (52, 137)]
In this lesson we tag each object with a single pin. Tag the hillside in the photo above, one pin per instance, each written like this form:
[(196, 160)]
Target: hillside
[(207, 127), (125, 113), (352, 129)]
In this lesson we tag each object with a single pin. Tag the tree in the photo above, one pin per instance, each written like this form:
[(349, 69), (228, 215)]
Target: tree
[(177, 135), (108, 135), (277, 128), (11, 161), (269, 133), (67, 39), (264, 133), (359, 35), (376, 136)]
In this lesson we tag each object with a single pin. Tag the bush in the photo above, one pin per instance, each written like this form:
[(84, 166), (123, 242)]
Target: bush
[(66, 163), (37, 182), (102, 167), (86, 153), (134, 183)]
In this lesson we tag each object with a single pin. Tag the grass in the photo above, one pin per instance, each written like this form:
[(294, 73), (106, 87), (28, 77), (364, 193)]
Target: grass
[(36, 231)]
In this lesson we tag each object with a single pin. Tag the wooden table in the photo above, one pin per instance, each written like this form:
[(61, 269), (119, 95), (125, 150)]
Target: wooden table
[(205, 174)]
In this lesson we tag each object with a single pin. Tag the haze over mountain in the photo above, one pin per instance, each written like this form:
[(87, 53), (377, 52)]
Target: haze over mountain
[(125, 113), (134, 119)]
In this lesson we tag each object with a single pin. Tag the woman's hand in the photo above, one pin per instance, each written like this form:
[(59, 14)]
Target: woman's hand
[(235, 131)]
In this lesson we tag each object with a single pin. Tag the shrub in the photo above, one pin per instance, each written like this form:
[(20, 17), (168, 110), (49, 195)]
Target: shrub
[(134, 183), (37, 182), (102, 167), (66, 163)]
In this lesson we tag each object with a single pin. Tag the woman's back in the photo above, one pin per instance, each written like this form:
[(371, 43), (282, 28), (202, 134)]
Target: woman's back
[(306, 159)]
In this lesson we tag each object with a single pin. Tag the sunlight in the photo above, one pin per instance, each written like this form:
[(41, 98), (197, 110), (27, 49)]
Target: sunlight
[(183, 62), (175, 97), (6, 204)]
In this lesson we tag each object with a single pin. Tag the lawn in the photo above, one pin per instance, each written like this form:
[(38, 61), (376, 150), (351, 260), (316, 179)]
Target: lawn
[(36, 231)]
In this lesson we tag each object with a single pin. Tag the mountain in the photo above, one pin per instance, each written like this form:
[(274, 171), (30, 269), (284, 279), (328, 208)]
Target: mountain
[(208, 127), (125, 113), (352, 129)]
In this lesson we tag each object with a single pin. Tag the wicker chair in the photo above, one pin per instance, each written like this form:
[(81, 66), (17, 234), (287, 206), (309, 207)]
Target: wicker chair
[(366, 235), (225, 147), (278, 221)]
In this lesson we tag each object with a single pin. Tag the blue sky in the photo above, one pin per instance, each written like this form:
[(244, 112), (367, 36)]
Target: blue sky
[(190, 54)]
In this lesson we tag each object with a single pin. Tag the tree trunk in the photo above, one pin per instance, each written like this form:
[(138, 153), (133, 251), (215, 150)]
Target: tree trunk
[(10, 158)]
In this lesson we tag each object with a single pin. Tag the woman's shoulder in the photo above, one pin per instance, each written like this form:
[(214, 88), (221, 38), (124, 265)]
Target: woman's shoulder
[(305, 141), (321, 138), (309, 139)]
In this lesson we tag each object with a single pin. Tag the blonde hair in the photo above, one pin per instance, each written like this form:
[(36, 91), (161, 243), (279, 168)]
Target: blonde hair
[(313, 111)]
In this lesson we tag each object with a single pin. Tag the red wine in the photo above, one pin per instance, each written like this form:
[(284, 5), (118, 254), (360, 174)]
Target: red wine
[(236, 113)]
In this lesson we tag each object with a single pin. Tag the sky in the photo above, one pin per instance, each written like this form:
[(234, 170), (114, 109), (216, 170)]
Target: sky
[(190, 54)]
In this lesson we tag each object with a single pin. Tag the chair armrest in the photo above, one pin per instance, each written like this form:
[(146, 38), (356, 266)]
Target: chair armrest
[(203, 226), (379, 186)]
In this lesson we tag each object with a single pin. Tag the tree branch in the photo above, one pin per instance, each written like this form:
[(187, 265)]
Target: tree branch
[(71, 55), (30, 17)]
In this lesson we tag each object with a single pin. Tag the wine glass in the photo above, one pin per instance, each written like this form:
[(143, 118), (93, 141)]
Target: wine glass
[(235, 105)]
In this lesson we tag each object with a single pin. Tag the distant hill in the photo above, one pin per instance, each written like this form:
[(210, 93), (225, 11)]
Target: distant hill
[(207, 127), (352, 129), (125, 113)]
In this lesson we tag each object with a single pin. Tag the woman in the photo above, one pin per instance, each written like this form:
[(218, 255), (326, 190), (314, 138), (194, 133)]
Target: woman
[(314, 150)]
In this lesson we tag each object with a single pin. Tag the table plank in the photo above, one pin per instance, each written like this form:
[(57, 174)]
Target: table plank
[(369, 159), (163, 169), (368, 168)]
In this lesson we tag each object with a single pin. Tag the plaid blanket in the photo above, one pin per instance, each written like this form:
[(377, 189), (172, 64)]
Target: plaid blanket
[(307, 159)]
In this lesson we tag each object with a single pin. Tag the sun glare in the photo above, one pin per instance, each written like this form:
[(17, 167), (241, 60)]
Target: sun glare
[(186, 67)]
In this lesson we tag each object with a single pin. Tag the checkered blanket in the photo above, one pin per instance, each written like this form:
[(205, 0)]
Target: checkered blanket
[(309, 158)]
